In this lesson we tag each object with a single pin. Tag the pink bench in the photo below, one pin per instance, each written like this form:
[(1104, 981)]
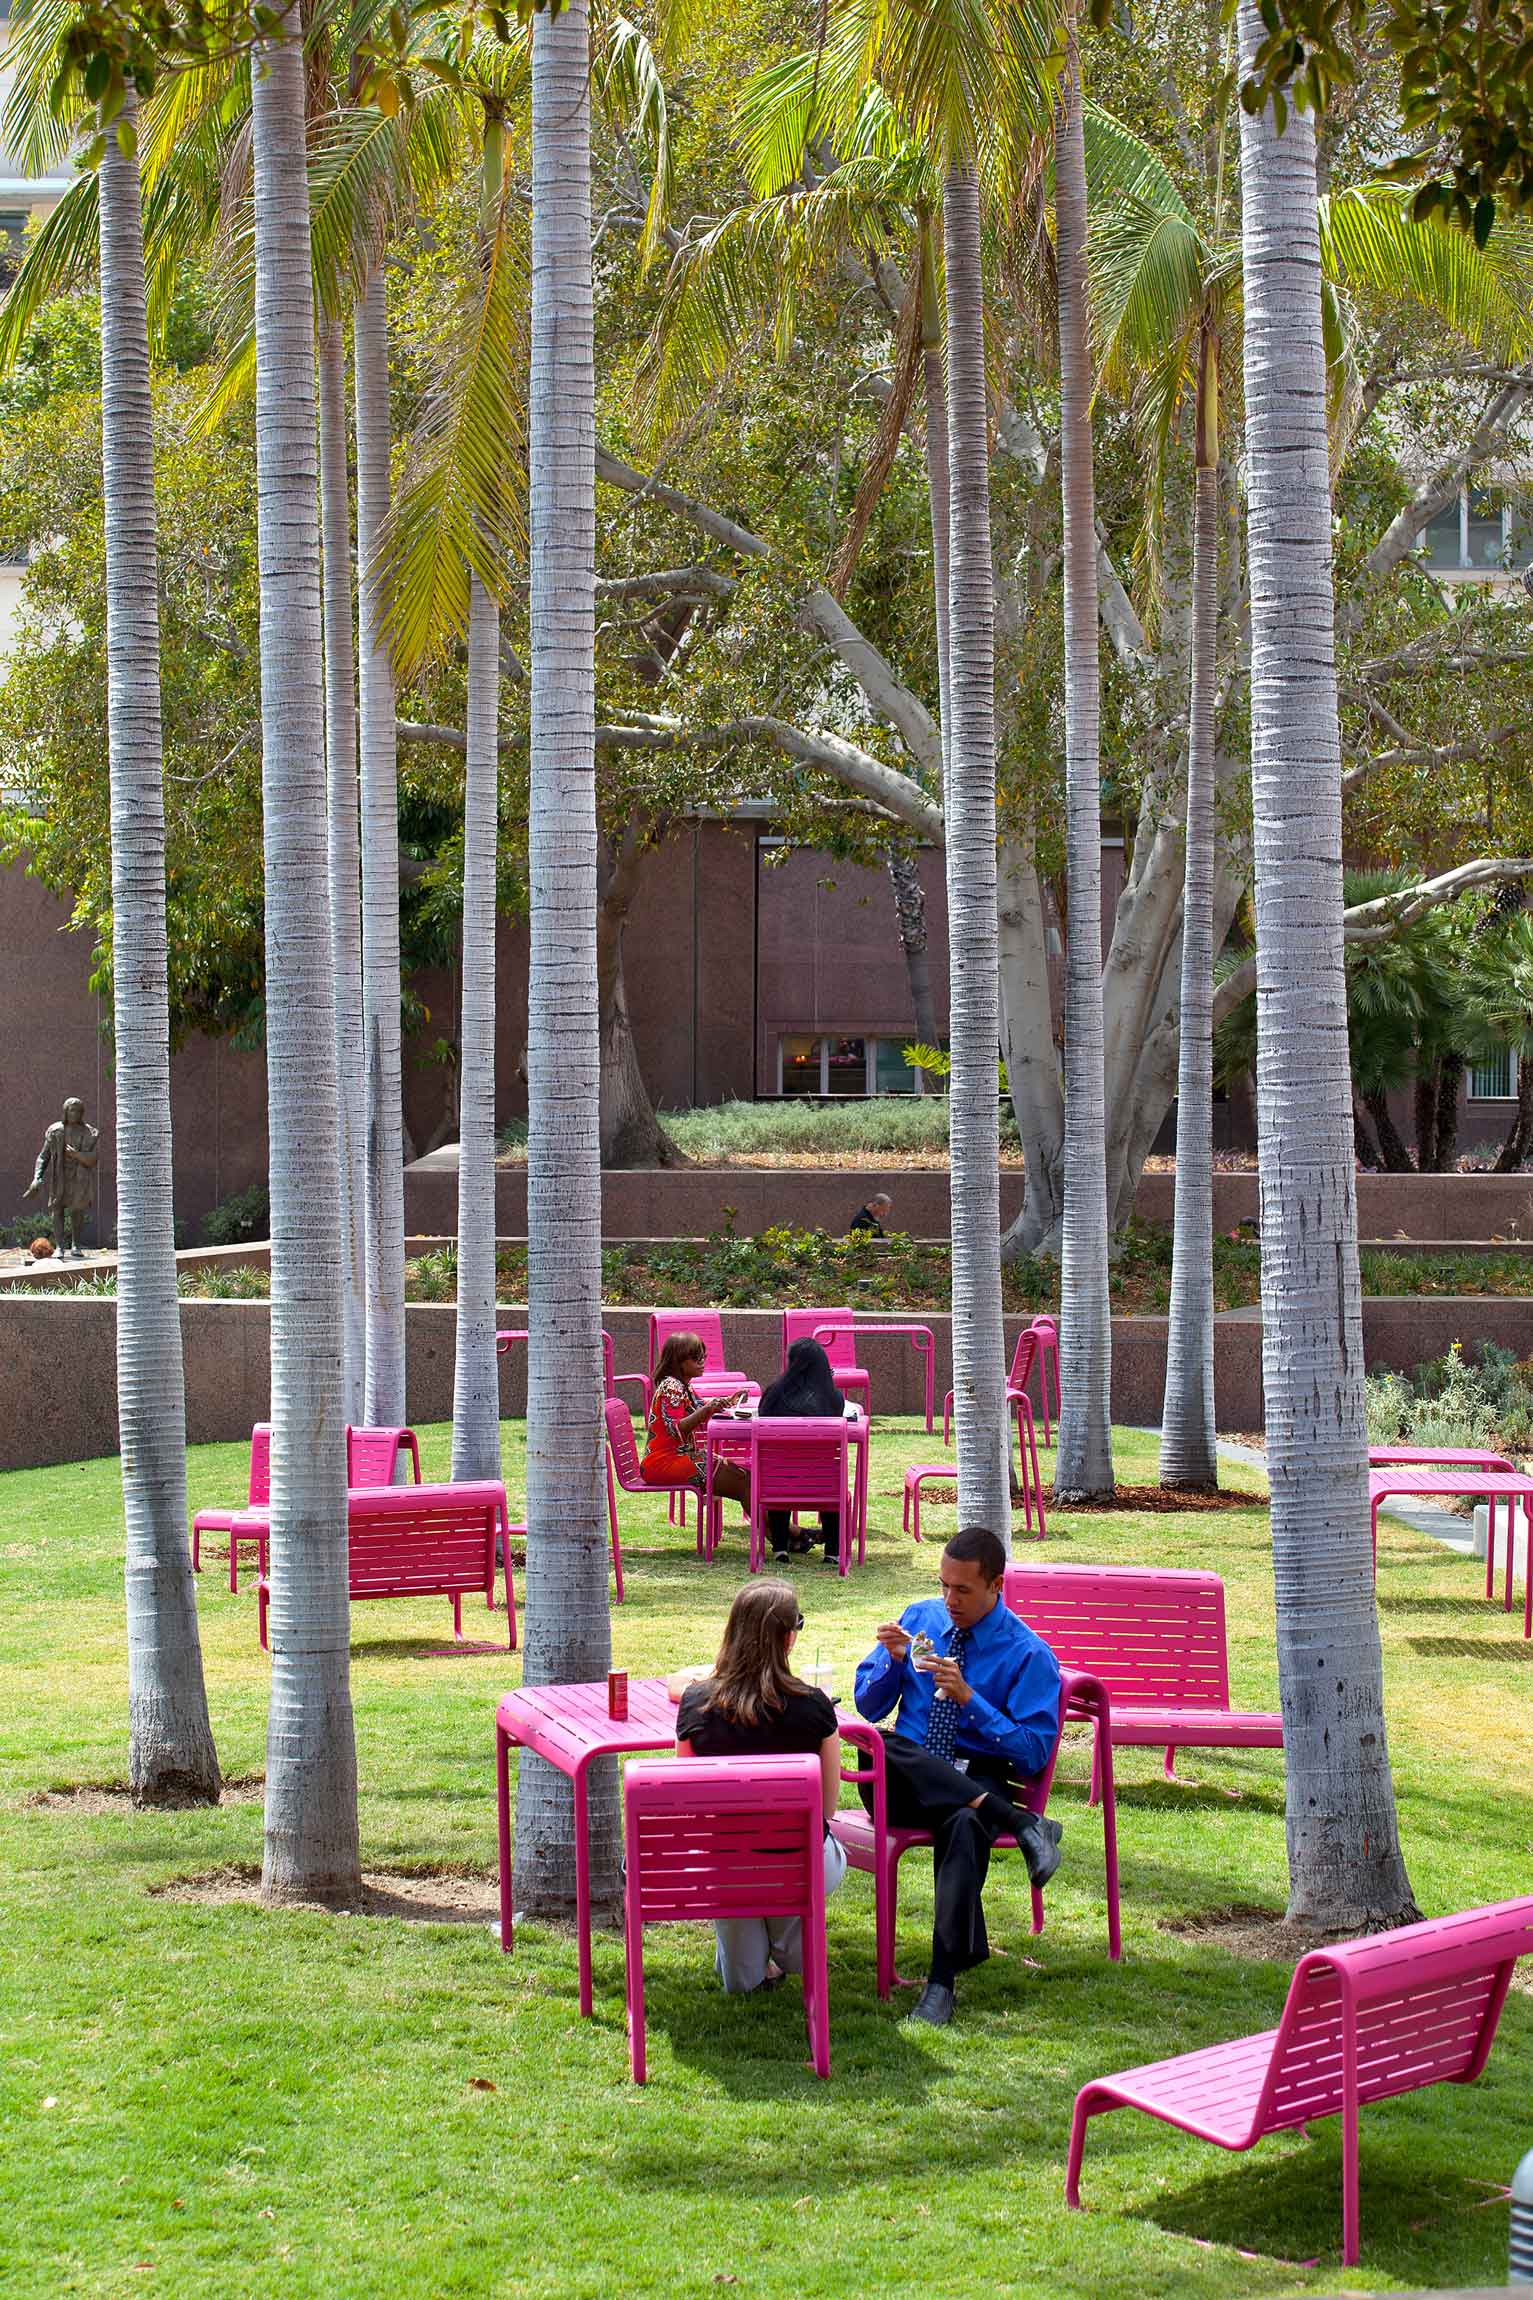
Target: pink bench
[(1154, 1636), (372, 1458), (726, 1837), (1364, 2021), (425, 1541)]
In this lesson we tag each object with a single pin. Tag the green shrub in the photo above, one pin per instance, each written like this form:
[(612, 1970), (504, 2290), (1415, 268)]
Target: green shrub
[(1479, 1401), (240, 1220)]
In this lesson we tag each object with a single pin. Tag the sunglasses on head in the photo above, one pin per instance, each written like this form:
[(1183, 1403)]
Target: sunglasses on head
[(799, 1623)]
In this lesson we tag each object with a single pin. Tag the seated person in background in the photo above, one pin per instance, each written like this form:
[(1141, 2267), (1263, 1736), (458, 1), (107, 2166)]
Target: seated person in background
[(671, 1455), (805, 1388), (983, 1711), (872, 1216), (754, 1706)]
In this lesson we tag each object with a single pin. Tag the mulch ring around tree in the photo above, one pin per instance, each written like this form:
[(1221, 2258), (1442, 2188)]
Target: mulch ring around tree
[(1243, 1929), (413, 1896), (1174, 1500), (117, 1797)]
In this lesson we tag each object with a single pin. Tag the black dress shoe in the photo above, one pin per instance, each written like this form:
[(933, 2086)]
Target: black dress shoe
[(934, 2005)]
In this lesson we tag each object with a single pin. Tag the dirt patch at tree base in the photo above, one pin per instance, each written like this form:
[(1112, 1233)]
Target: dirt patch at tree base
[(117, 1797), (1168, 1500), (1243, 1929), (413, 1897)]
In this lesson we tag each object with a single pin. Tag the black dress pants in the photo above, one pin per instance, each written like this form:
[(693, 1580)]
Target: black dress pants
[(779, 1524), (925, 1792)]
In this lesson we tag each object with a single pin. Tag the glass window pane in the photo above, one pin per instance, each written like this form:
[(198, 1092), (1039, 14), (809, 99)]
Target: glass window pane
[(891, 1073), (1442, 537), (1494, 1080), (848, 1066), (800, 1065), (1486, 542)]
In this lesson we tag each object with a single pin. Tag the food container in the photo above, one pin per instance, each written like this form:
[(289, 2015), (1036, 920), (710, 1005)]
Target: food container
[(617, 1693)]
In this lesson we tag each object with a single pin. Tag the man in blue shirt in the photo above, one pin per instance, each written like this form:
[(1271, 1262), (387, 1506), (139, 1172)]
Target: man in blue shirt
[(978, 1697)]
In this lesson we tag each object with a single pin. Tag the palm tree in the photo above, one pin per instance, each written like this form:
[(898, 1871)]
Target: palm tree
[(380, 874), (1084, 1467), (172, 1759), (344, 851), (1345, 1864), (311, 1769), (568, 1631), (476, 1384)]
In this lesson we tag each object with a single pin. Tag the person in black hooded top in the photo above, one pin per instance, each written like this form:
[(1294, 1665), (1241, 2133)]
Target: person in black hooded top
[(804, 1389)]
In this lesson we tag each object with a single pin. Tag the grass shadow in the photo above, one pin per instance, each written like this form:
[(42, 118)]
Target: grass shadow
[(1481, 1649)]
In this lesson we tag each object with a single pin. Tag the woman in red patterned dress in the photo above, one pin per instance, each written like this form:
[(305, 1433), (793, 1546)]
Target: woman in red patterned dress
[(672, 1455)]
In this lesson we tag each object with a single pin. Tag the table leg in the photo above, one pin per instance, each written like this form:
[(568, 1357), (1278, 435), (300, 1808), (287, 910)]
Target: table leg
[(1490, 1546), (503, 1828), (583, 1890), (1511, 1547), (1527, 1564), (862, 1495)]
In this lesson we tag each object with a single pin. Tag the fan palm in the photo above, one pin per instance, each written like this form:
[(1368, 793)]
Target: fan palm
[(1498, 993)]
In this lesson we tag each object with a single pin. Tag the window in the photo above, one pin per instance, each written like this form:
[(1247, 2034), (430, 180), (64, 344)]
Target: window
[(1478, 533), (1494, 1080), (852, 1066)]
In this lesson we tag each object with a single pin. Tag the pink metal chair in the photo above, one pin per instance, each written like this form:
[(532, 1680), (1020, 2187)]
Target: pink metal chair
[(372, 1455), (725, 1837), (1364, 2021), (877, 1849), (797, 1465), (623, 1468), (1034, 1344), (840, 1347), (228, 1520), (708, 1326)]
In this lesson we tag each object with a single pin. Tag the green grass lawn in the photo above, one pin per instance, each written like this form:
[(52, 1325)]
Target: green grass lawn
[(216, 2097)]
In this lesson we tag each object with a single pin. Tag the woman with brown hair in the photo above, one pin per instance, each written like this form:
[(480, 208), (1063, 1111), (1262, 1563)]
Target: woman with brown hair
[(672, 1456), (754, 1706)]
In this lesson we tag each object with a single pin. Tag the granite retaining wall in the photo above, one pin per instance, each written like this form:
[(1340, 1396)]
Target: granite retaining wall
[(58, 1391)]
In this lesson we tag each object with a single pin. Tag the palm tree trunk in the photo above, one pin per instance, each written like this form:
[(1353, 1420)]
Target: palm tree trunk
[(1188, 1451), (345, 853), (910, 912), (1084, 1466), (476, 1382), (380, 880), (979, 1370), (172, 1760), (1450, 1073), (938, 480), (1515, 1148), (1397, 1159), (1344, 1860), (568, 1631), (311, 1765)]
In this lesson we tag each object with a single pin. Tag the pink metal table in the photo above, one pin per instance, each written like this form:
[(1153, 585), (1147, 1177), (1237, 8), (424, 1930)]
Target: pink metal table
[(920, 1341), (569, 1727), (1425, 1479), (727, 1438)]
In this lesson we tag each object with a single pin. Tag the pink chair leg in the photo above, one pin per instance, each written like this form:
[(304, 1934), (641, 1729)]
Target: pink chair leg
[(1103, 1772), (196, 1547), (947, 1419), (1037, 1909), (457, 1620), (817, 1995), (503, 1830), (234, 1568), (263, 1602), (633, 1941), (1077, 2151), (1032, 1447)]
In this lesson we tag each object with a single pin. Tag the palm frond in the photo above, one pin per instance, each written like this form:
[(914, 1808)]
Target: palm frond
[(44, 112), (1121, 166), (744, 277), (813, 104), (461, 509), (65, 251), (886, 440), (1370, 244), (631, 92), (1148, 274)]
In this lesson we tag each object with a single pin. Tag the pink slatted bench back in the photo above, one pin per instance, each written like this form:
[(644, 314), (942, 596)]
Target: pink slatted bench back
[(421, 1538), (804, 1471), (706, 1324), (625, 1453), (1149, 1634), (799, 1325), (1023, 1359), (724, 1837), (1426, 2000), (258, 1492), (372, 1455)]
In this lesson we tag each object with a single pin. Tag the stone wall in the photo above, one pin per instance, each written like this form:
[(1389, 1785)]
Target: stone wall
[(58, 1368), (692, 1201)]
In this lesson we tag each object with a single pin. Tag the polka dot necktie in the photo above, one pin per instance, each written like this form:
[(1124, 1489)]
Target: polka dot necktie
[(942, 1724)]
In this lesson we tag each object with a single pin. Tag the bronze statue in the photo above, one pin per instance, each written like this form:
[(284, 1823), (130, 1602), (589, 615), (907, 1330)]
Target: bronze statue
[(66, 1167)]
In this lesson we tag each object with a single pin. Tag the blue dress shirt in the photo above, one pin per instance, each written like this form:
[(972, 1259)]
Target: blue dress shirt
[(1013, 1678)]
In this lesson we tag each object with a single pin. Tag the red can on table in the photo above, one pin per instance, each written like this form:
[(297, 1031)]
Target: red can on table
[(617, 1693)]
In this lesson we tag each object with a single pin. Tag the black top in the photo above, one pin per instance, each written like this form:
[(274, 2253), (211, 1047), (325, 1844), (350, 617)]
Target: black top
[(806, 1719), (805, 1388), (866, 1219)]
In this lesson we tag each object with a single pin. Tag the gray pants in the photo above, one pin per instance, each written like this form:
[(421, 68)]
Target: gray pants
[(745, 1943)]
